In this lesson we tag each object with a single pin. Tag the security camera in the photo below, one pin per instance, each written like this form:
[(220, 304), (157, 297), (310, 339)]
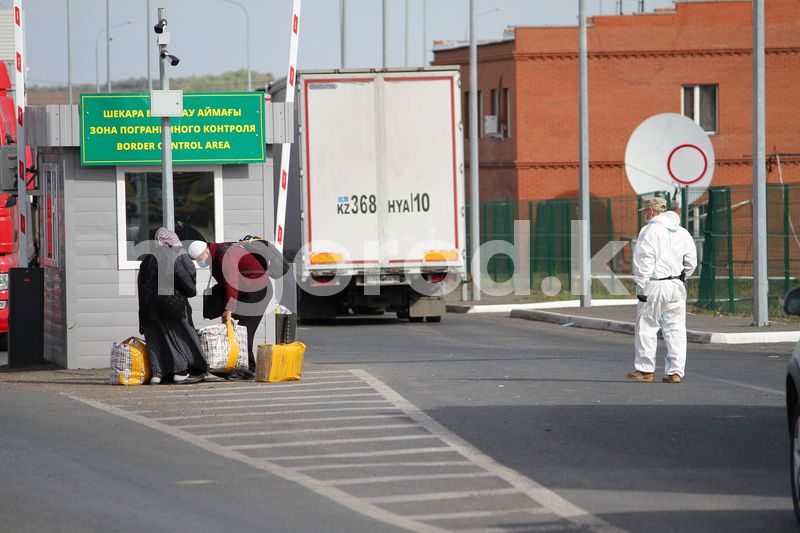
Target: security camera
[(173, 60), (159, 28)]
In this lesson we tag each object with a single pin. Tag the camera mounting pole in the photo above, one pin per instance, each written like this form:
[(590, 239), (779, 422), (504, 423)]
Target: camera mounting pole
[(167, 202)]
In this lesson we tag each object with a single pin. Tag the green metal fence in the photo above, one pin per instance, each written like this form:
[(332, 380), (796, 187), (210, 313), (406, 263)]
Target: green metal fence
[(720, 220)]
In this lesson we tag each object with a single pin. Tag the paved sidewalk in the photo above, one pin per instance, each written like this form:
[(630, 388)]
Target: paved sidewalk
[(609, 315)]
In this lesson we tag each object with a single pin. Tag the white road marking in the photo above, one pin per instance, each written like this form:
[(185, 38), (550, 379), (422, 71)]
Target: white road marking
[(306, 430), (442, 441), (296, 421), (480, 514), (258, 405), (420, 477), (405, 451), (282, 413), (535, 491), (317, 486), (242, 390), (261, 445), (433, 496), (378, 465), (282, 398)]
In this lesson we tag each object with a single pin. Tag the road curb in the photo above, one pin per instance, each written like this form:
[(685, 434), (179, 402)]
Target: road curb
[(506, 309), (617, 326)]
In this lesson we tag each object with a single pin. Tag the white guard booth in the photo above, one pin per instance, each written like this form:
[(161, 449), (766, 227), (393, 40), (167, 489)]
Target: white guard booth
[(91, 215)]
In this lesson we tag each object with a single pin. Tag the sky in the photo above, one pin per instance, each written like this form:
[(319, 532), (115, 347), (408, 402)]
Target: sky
[(209, 35)]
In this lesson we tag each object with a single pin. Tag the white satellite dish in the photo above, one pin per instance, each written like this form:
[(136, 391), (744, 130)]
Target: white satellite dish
[(669, 151)]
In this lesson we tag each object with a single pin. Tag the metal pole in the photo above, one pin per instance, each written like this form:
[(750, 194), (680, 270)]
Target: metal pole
[(69, 59), (97, 60), (474, 181), (405, 58), (760, 287), (147, 41), (167, 203), (385, 34), (108, 48), (247, 37), (583, 187), (342, 32), (424, 32)]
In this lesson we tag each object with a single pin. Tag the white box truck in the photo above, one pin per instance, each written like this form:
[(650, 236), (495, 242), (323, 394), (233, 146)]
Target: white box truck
[(376, 191)]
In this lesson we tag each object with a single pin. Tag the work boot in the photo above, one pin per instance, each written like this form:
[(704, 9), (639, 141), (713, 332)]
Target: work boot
[(643, 377), (671, 378)]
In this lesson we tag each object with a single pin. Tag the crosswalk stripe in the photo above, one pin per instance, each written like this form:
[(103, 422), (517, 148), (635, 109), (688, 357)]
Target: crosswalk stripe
[(307, 430), (282, 413), (432, 496), (406, 451), (261, 445), (479, 514), (378, 465), (296, 421), (240, 391), (421, 477)]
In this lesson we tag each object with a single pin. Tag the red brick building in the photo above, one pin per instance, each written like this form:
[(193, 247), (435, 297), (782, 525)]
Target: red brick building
[(695, 59)]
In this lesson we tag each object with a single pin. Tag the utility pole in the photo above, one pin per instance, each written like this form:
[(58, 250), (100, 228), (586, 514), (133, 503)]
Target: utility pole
[(385, 33), (69, 59), (342, 31), (424, 32), (147, 42), (474, 181), (641, 6), (405, 62), (167, 203), (760, 282), (108, 48), (583, 187)]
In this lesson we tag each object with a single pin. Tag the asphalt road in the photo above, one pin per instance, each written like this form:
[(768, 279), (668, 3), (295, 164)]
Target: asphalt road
[(470, 423)]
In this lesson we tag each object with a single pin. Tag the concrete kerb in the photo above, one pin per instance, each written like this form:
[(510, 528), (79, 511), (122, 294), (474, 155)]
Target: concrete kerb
[(700, 337), (507, 309), (537, 311)]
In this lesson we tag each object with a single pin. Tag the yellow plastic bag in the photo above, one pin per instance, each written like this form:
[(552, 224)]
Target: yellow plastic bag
[(279, 362), (129, 362), (233, 348)]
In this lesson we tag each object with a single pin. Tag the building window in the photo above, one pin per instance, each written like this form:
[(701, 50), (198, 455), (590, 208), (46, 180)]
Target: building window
[(504, 117), (49, 227), (465, 112), (197, 198), (497, 123), (700, 104)]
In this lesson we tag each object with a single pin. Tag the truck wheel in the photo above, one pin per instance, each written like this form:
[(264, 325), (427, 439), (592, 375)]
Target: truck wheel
[(3, 342), (415, 319), (433, 318)]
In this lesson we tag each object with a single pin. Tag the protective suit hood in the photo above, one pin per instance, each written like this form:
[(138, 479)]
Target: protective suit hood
[(668, 219)]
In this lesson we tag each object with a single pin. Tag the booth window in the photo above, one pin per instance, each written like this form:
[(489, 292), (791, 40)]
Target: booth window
[(49, 233), (700, 104), (194, 200)]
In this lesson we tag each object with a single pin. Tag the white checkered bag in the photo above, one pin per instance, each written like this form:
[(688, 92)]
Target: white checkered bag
[(129, 363), (217, 349)]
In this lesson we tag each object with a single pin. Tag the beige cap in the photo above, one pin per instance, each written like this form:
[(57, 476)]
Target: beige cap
[(655, 203)]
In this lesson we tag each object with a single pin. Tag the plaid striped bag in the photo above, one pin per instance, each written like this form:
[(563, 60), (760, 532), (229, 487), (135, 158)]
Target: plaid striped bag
[(129, 363), (225, 347)]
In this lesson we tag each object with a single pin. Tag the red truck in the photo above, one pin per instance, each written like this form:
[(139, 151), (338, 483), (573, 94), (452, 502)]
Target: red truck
[(9, 215)]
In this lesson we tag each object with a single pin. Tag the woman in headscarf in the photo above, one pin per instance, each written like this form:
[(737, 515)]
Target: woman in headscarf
[(165, 316)]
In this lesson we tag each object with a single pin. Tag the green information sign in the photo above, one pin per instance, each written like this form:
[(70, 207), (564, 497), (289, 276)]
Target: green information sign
[(218, 128)]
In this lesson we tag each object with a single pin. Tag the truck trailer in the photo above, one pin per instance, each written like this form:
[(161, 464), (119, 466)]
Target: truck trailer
[(375, 217)]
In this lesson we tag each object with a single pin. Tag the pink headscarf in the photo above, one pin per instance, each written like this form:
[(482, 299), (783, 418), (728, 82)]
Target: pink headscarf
[(167, 237)]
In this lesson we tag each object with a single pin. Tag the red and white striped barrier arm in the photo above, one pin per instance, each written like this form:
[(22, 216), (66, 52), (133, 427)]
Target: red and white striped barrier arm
[(286, 149), (19, 99)]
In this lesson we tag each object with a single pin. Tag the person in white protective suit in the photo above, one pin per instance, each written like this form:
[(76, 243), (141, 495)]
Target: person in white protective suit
[(665, 255)]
